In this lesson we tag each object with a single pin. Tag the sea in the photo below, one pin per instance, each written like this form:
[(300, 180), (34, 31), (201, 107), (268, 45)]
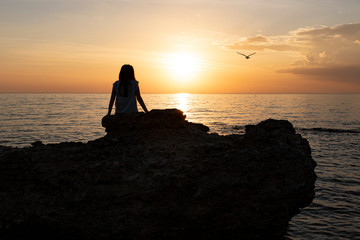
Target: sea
[(330, 122)]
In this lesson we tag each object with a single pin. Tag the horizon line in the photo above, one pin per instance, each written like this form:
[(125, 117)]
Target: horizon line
[(184, 93)]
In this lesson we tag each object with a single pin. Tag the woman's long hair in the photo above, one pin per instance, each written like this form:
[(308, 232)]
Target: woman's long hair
[(125, 76)]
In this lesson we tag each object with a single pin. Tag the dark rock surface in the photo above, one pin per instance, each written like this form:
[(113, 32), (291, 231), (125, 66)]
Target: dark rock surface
[(160, 177)]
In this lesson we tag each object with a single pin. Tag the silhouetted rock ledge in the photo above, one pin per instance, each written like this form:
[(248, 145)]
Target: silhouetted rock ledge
[(158, 176)]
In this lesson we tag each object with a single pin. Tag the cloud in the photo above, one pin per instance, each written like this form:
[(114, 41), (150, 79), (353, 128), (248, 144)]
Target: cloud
[(260, 43), (325, 52), (346, 73), (349, 31), (330, 53), (301, 39), (256, 39)]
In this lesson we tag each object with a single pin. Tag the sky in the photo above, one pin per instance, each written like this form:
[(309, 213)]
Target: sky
[(79, 46)]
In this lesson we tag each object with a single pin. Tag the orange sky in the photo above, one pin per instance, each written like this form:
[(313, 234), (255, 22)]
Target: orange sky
[(180, 46)]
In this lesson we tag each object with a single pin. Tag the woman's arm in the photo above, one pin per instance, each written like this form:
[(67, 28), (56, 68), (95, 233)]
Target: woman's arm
[(140, 100), (112, 99)]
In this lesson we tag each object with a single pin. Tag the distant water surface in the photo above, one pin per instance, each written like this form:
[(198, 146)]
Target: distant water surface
[(330, 122)]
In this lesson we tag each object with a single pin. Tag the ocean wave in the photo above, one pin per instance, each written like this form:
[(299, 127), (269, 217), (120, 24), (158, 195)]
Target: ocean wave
[(330, 130), (319, 129), (238, 127)]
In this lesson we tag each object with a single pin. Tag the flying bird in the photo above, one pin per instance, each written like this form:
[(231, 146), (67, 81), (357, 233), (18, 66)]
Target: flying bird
[(247, 56)]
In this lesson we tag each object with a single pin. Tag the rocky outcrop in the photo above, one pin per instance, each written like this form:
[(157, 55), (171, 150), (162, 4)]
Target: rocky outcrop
[(157, 176), (155, 119)]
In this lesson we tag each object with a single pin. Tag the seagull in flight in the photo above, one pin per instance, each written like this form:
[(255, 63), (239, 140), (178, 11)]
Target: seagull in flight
[(247, 56)]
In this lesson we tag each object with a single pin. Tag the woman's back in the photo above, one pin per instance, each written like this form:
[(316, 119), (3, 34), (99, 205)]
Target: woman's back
[(126, 104), (126, 91)]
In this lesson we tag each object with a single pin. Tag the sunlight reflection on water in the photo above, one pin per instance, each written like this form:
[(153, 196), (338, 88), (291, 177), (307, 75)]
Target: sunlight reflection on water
[(181, 101)]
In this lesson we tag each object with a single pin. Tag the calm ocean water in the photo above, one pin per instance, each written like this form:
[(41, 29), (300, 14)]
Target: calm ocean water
[(330, 122)]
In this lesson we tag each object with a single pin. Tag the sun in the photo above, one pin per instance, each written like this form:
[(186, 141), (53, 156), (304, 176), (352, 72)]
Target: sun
[(184, 65)]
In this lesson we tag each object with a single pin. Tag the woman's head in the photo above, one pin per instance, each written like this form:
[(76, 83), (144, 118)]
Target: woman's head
[(125, 76), (127, 73)]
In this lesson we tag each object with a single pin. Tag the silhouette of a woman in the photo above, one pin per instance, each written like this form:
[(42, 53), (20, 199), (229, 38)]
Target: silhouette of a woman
[(126, 91)]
